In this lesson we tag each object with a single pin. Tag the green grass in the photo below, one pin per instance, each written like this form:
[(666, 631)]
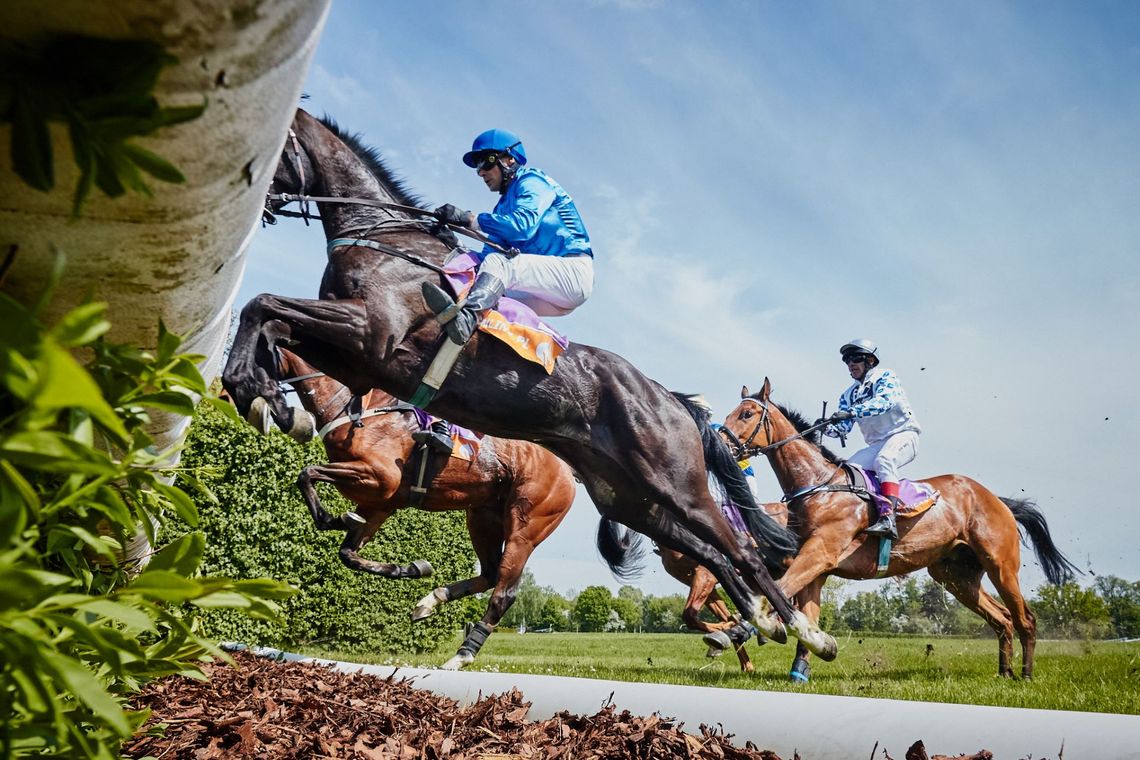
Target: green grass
[(1068, 675)]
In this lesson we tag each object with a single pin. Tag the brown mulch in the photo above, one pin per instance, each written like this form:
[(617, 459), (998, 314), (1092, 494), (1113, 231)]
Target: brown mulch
[(268, 709)]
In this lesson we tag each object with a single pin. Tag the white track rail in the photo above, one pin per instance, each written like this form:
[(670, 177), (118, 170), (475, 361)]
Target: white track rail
[(817, 727)]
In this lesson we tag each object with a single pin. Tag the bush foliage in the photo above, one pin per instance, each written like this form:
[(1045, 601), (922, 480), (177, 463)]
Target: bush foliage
[(79, 629), (260, 526)]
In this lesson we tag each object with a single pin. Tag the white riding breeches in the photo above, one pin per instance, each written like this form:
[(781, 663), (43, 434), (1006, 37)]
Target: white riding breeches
[(886, 457), (551, 285)]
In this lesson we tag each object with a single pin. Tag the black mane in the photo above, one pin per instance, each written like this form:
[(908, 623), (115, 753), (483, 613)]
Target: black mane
[(801, 423), (371, 158)]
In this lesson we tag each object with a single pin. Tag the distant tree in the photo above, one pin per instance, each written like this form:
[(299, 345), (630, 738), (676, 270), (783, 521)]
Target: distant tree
[(1123, 602), (592, 608), (1070, 611), (529, 599), (662, 614), (868, 611), (555, 613), (628, 611)]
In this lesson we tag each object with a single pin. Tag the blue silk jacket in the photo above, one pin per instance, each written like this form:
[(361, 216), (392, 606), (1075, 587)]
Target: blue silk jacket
[(536, 215)]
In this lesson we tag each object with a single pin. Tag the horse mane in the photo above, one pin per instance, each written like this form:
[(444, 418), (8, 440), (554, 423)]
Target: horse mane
[(801, 423), (372, 159)]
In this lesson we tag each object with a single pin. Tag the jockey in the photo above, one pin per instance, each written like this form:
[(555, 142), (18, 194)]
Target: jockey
[(549, 265), (877, 401)]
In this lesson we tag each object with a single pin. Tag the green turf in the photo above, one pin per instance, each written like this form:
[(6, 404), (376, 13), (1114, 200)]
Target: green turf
[(1069, 675)]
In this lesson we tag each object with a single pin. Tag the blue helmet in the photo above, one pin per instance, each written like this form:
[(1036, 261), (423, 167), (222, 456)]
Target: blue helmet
[(496, 141)]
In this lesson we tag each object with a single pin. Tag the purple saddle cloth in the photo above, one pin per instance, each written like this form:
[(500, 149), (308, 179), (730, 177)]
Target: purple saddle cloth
[(915, 496)]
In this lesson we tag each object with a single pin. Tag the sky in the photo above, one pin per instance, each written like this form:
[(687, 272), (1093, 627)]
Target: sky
[(764, 181)]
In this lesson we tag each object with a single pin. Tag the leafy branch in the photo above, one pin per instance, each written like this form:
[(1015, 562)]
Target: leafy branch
[(102, 90)]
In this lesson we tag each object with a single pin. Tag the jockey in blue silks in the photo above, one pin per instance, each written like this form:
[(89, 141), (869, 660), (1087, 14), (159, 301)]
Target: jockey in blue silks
[(553, 271), (877, 401)]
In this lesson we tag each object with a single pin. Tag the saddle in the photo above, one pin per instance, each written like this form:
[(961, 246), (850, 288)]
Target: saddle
[(916, 497)]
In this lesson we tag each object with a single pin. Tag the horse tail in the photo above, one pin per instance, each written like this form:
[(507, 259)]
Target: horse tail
[(621, 548), (1058, 569), (776, 543)]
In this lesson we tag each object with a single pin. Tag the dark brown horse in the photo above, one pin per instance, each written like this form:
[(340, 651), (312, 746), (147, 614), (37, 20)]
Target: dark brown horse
[(514, 492), (703, 595), (968, 533), (642, 452)]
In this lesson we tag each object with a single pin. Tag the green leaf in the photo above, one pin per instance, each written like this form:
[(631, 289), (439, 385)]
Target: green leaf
[(225, 407), (81, 325), (128, 615), (153, 164), (86, 687), (12, 477), (182, 503), (170, 401), (181, 556), (166, 586), (178, 114), (67, 384), (31, 143), (223, 599), (55, 452)]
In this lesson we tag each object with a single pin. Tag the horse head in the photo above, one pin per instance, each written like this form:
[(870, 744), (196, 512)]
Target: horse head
[(749, 427)]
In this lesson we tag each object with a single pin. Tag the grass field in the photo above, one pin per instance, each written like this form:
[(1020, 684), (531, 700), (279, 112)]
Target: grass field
[(1069, 675)]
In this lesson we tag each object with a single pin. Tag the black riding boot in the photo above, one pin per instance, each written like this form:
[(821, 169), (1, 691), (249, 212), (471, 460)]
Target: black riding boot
[(438, 436), (885, 526), (461, 319)]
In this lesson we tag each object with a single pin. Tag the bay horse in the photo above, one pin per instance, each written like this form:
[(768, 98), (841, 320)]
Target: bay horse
[(968, 533), (515, 493), (642, 452)]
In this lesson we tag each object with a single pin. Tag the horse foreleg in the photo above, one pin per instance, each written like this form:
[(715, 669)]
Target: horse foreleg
[(717, 606), (340, 474), (359, 534), (339, 327), (808, 600)]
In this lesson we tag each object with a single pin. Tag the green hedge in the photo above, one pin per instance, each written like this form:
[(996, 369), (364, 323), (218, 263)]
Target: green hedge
[(260, 527)]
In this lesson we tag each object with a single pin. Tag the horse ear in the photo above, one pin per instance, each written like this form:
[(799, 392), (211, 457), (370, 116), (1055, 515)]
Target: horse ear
[(766, 391), (744, 391)]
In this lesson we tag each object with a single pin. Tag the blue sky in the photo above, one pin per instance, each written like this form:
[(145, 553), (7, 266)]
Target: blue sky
[(764, 181)]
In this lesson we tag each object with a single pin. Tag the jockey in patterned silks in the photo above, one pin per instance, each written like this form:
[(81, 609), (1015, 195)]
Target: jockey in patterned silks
[(877, 401), (549, 265)]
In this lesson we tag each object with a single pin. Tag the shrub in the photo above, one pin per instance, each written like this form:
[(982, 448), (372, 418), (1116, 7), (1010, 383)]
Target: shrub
[(259, 526), (78, 476)]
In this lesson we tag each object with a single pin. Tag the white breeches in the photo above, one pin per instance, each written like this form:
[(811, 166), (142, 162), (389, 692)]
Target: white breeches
[(551, 285), (886, 457)]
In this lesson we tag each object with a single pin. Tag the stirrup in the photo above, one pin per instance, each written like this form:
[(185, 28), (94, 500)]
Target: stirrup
[(437, 441)]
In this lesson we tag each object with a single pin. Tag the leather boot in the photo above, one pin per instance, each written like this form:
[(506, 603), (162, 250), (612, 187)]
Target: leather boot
[(885, 525), (461, 319), (437, 436)]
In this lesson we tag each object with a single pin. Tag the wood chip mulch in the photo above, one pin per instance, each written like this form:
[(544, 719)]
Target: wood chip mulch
[(268, 709)]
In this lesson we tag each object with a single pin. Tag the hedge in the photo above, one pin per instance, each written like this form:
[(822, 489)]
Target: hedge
[(260, 527)]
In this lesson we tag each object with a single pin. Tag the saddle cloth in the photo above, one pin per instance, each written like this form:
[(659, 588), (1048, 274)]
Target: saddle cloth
[(464, 442), (510, 321), (916, 497)]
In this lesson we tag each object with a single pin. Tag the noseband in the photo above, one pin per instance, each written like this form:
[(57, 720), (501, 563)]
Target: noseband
[(745, 448)]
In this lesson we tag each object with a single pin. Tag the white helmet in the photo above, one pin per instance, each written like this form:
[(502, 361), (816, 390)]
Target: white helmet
[(860, 346)]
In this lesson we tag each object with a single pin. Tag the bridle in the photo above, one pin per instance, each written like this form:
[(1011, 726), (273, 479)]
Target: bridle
[(745, 449)]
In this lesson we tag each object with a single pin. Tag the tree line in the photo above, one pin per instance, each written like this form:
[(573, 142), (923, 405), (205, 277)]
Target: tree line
[(1108, 608)]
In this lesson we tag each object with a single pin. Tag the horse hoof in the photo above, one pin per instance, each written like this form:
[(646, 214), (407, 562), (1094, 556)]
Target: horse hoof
[(458, 662), (426, 606), (718, 641), (259, 416), (304, 427), (423, 568), (772, 628), (818, 643), (353, 517)]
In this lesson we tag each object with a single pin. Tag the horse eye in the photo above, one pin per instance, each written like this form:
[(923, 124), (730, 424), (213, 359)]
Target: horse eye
[(745, 414)]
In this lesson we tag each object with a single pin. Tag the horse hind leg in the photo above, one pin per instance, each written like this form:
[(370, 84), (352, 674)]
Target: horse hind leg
[(961, 575), (486, 529)]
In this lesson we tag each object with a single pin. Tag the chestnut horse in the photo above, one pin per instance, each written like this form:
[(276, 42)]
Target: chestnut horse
[(642, 452), (515, 493), (968, 533)]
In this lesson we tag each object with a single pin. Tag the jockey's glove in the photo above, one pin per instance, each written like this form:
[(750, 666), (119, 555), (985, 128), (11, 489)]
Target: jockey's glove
[(842, 414), (453, 215)]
